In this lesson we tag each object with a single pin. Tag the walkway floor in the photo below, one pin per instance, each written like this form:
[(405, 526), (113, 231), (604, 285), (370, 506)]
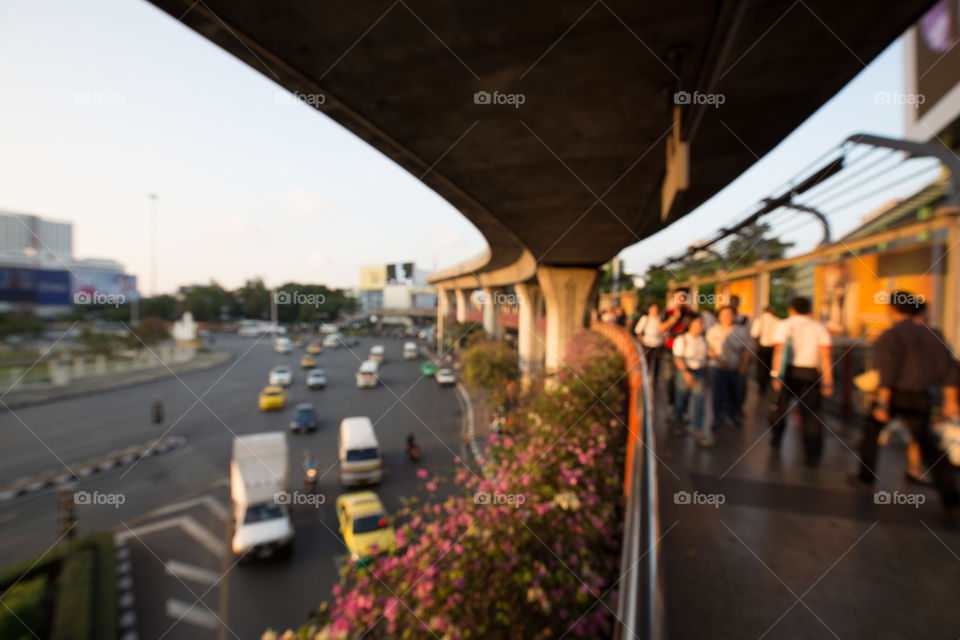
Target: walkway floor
[(794, 552)]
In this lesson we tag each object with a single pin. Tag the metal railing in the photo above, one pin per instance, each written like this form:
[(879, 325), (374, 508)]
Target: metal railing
[(640, 603)]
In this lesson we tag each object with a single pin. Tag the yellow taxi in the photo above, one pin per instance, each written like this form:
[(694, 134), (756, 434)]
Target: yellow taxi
[(272, 397), (313, 348), (363, 524), (308, 362)]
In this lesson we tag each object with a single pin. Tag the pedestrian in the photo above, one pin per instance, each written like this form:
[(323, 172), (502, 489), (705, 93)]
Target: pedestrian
[(709, 319), (729, 358), (651, 338), (738, 318), (675, 322), (620, 316), (690, 360), (912, 361), (762, 330), (801, 374)]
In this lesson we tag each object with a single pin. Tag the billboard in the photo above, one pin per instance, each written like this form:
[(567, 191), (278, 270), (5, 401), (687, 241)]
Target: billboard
[(37, 286), (105, 283), (373, 277), (400, 273), (931, 95)]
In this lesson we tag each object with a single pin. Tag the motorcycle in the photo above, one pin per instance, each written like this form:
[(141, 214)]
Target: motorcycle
[(413, 451), (310, 480)]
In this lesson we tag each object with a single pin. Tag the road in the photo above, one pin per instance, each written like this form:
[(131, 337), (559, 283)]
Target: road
[(208, 408)]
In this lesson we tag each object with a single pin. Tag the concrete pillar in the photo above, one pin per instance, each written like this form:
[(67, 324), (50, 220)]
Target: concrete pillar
[(443, 301), (761, 293), (565, 291), (491, 320), (529, 343), (463, 299), (951, 282)]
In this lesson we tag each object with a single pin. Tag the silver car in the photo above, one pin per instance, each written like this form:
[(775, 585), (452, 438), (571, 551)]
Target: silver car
[(316, 379), (281, 375)]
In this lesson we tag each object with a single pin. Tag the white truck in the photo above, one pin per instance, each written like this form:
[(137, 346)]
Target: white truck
[(259, 471)]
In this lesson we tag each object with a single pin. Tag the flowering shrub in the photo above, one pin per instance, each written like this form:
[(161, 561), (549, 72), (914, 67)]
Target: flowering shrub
[(489, 364), (530, 552)]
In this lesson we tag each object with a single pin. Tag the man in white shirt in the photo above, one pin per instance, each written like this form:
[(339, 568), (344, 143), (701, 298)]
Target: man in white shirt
[(690, 360), (651, 337), (730, 359), (802, 372), (763, 331)]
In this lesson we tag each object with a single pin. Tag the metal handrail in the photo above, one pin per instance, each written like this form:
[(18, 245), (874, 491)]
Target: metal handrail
[(640, 601)]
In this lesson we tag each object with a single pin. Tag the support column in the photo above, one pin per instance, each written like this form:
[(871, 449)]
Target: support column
[(565, 291), (491, 320), (443, 301), (951, 282), (463, 300), (529, 344), (761, 293)]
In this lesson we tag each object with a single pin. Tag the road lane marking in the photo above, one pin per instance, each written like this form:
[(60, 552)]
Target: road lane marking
[(197, 614), (216, 507), (192, 572), (190, 526)]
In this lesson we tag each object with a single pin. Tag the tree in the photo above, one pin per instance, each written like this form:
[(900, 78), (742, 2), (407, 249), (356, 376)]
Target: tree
[(252, 300), (207, 303)]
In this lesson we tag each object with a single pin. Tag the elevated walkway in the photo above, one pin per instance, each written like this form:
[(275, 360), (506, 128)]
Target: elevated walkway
[(794, 552)]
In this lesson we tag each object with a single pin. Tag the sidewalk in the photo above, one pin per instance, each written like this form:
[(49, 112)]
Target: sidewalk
[(777, 550), (39, 393)]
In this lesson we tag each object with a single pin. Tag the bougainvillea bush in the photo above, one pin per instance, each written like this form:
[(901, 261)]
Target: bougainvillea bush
[(531, 551)]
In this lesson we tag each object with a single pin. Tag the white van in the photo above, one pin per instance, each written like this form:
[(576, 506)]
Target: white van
[(359, 452), (411, 351), (282, 345), (376, 353), (367, 375), (258, 482)]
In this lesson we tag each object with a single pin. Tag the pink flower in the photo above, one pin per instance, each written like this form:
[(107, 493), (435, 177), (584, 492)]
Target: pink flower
[(422, 473)]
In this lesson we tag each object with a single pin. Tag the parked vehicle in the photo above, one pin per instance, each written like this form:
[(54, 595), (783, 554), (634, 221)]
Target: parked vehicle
[(304, 418), (258, 475), (316, 379), (368, 375), (281, 375), (359, 452), (445, 377)]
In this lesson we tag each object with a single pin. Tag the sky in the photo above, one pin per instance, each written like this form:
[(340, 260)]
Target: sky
[(101, 108)]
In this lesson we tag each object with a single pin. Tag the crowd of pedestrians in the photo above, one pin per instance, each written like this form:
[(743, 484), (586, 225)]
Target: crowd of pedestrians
[(707, 354)]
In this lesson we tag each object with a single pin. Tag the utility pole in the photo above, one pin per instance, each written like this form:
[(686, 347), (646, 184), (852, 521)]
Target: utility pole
[(153, 244)]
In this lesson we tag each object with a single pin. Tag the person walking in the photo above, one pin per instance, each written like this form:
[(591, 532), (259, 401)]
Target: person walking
[(690, 360), (648, 333), (912, 361), (762, 331), (729, 358), (801, 374), (675, 322)]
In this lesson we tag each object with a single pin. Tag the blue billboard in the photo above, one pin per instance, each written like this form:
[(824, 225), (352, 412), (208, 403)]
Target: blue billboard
[(52, 287)]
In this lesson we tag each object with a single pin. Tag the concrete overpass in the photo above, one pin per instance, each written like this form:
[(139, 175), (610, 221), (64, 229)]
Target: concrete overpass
[(546, 124)]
